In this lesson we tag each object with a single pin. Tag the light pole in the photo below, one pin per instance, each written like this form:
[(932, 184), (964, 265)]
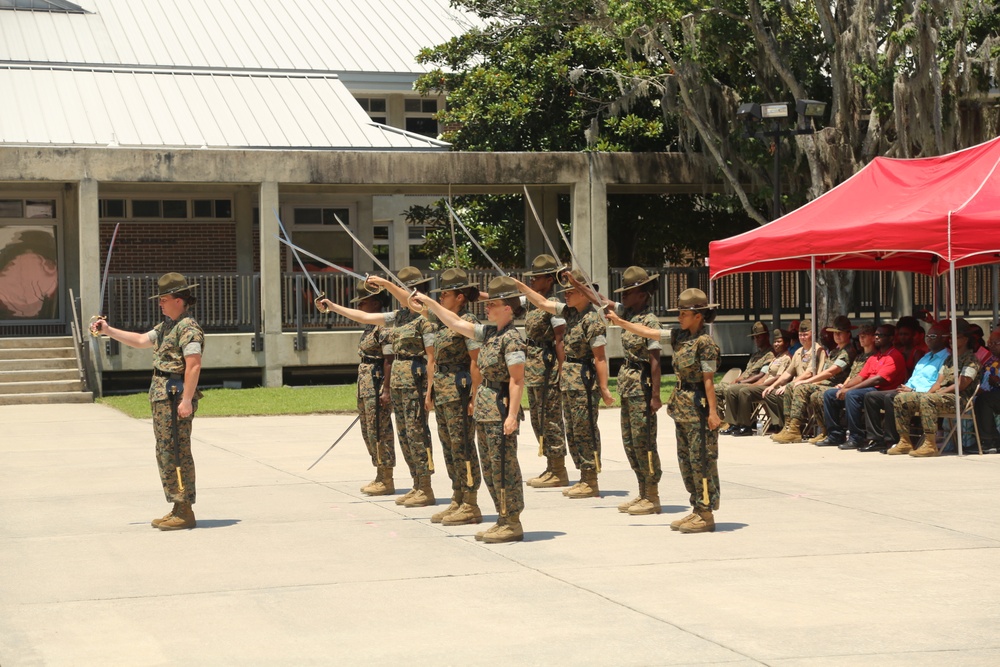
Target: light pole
[(773, 121)]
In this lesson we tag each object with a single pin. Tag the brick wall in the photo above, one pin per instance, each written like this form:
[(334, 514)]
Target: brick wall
[(160, 247)]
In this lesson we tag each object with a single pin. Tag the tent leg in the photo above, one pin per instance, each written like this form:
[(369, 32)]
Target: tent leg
[(954, 356)]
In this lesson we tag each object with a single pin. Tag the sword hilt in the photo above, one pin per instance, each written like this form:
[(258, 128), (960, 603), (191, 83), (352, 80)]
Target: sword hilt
[(704, 493), (562, 279), (180, 481), (410, 302), (96, 333), (468, 474), (319, 306), (541, 448)]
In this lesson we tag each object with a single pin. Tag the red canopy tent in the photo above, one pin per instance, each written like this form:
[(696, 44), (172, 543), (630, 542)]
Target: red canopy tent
[(893, 215), (928, 215)]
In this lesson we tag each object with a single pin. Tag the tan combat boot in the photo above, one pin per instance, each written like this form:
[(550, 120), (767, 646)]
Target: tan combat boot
[(904, 446), (481, 535), (650, 503), (587, 488), (510, 531), (927, 448), (409, 494), (456, 502), (624, 507), (155, 523), (701, 522), (423, 496), (676, 525), (183, 517), (557, 474), (371, 485), (467, 512), (791, 433), (820, 435), (383, 484), (545, 474)]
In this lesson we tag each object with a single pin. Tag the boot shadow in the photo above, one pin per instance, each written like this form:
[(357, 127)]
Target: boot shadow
[(217, 523)]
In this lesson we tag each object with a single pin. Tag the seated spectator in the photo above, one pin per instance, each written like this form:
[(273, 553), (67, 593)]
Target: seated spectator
[(884, 370), (908, 331), (740, 398), (793, 331), (987, 405), (977, 344), (866, 344), (880, 415), (754, 370), (939, 400), (834, 369), (805, 363)]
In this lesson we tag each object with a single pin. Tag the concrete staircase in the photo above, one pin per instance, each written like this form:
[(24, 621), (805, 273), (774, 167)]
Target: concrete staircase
[(40, 370)]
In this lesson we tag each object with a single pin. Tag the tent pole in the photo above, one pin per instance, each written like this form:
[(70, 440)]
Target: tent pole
[(711, 290), (954, 358), (995, 270), (812, 276)]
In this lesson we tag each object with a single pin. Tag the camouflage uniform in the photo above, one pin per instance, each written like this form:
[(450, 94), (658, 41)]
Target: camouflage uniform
[(541, 381), (757, 364), (578, 382), (797, 397), (172, 341), (411, 334), (697, 445), (931, 406), (500, 350), (803, 361), (637, 418), (451, 371), (376, 421)]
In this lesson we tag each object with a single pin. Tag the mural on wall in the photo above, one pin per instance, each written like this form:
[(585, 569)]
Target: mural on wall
[(29, 273)]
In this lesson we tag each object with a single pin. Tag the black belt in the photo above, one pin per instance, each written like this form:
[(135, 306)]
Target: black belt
[(581, 360), (636, 365), (496, 386), (543, 345), (164, 374), (691, 386), (365, 359), (447, 369), (410, 357)]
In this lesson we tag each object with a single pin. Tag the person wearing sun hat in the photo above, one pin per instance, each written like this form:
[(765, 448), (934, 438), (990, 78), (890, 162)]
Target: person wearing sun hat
[(755, 369), (178, 342), (639, 388), (583, 377), (374, 399), (497, 408), (545, 332), (413, 351), (455, 381)]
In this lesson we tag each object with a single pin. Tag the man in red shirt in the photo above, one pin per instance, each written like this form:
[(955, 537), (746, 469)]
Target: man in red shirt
[(884, 370)]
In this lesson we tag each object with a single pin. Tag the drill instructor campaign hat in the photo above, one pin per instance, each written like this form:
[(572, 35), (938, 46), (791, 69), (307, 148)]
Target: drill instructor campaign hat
[(363, 292), (543, 265), (841, 324), (502, 287), (454, 279), (692, 299), (411, 276), (635, 276), (758, 329), (171, 283)]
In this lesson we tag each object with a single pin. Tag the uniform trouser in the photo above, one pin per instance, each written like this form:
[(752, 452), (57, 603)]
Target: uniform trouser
[(986, 408), (774, 406), (378, 437), (582, 435), (853, 405), (930, 407), (639, 438), (554, 443), (720, 397), (740, 399), (693, 455), (799, 398), (881, 426), (411, 427), (165, 459), (491, 442), (457, 433)]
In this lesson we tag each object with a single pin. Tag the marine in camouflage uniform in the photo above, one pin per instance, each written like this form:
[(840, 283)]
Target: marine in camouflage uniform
[(578, 381), (453, 387), (541, 376), (694, 411), (375, 350), (939, 401), (639, 390), (178, 343), (816, 400), (756, 365)]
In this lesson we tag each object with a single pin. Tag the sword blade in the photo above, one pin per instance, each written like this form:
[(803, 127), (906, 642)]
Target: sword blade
[(316, 290), (107, 265), (538, 221), (588, 283), (346, 431), (319, 259), (364, 248), (474, 241)]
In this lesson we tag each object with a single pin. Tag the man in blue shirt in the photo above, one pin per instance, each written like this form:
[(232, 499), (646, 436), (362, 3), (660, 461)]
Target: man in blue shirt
[(987, 405), (881, 426)]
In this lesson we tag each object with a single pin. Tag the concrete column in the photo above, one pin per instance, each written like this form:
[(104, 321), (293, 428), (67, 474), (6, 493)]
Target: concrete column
[(394, 111), (534, 243), (364, 228), (89, 228), (590, 228), (243, 212), (270, 283)]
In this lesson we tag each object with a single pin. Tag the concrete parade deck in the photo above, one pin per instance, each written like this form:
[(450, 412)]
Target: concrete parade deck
[(822, 557)]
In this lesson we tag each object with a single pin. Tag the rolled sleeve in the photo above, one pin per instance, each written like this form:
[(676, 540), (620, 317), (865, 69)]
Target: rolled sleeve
[(193, 347), (515, 358), (598, 341)]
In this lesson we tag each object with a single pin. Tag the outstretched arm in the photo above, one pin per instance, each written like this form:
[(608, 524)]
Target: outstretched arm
[(130, 338), (537, 299), (401, 295), (638, 329), (448, 318), (359, 316)]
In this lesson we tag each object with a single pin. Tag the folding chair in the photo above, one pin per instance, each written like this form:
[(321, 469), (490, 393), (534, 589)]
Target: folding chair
[(967, 413), (760, 415)]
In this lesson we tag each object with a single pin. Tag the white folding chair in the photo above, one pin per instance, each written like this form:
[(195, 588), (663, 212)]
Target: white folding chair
[(967, 413)]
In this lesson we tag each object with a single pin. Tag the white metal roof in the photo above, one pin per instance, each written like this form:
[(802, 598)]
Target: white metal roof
[(214, 109), (362, 39)]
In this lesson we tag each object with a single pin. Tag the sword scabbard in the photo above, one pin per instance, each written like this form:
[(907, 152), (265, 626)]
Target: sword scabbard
[(180, 480)]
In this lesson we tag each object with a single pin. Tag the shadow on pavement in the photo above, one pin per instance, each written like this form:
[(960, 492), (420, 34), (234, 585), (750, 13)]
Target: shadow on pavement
[(540, 535), (728, 527), (217, 523)]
